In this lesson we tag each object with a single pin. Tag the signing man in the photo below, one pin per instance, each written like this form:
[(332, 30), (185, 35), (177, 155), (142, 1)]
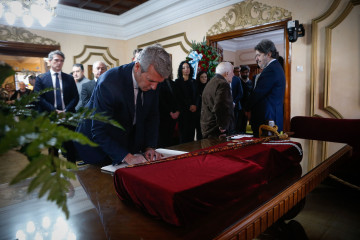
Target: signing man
[(128, 95)]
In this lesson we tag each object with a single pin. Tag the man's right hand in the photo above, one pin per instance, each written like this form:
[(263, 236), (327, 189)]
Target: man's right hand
[(134, 159)]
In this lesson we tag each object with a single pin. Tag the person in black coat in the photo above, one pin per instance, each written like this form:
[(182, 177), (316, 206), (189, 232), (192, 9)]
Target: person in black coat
[(169, 113), (200, 83), (185, 91)]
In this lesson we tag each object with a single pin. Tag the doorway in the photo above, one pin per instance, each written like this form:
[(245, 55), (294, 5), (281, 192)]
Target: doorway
[(278, 30)]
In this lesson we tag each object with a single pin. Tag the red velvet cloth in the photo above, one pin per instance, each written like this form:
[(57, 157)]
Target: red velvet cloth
[(180, 190)]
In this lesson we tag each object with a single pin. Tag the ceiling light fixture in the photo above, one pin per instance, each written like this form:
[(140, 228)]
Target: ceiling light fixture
[(28, 10)]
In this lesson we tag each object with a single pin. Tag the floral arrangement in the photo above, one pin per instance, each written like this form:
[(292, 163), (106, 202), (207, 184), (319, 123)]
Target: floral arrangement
[(209, 59)]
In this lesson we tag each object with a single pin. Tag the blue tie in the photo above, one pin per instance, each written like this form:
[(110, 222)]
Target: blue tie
[(58, 93)]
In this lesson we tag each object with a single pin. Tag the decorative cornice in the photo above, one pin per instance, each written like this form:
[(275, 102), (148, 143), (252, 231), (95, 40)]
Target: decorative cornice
[(15, 34), (246, 14), (147, 17)]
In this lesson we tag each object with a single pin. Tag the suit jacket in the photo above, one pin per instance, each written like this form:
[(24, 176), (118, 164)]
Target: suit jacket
[(237, 91), (217, 107), (47, 100), (86, 91), (114, 96), (247, 89), (266, 100), (79, 86)]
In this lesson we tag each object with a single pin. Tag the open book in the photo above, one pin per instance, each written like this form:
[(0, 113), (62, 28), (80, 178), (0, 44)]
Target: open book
[(165, 152)]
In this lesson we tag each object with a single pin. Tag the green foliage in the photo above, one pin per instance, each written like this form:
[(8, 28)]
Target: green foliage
[(32, 133), (210, 57)]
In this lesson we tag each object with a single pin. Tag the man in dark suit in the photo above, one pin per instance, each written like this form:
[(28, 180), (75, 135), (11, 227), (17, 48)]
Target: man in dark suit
[(237, 95), (128, 95), (98, 68), (266, 101), (64, 97), (217, 110)]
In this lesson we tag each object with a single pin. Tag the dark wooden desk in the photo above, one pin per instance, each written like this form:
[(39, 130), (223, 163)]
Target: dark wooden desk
[(243, 220)]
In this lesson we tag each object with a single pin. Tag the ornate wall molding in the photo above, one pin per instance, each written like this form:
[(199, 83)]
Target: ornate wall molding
[(314, 49), (17, 34), (314, 74), (246, 14), (178, 43), (328, 44), (89, 51)]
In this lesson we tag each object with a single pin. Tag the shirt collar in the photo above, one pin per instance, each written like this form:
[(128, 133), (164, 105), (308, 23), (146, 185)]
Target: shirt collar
[(134, 80), (53, 72), (270, 62)]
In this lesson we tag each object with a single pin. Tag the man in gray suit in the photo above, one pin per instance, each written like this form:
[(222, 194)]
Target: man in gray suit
[(80, 80), (99, 68), (217, 111)]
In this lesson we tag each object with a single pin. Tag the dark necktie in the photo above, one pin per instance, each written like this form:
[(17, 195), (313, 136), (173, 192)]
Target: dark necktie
[(58, 93)]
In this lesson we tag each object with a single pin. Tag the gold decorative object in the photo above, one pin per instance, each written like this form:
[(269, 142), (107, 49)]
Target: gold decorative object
[(16, 34), (246, 14)]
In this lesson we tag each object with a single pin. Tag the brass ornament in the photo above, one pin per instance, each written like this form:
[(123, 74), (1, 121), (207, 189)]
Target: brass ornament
[(246, 14), (17, 34)]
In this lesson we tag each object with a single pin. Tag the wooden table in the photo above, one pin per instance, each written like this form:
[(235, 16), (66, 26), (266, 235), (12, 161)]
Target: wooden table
[(244, 220)]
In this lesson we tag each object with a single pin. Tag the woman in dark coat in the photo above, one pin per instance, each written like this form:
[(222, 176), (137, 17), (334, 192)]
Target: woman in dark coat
[(185, 92), (169, 113), (201, 81)]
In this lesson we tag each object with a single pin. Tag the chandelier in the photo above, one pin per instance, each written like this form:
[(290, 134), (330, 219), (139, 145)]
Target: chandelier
[(28, 10)]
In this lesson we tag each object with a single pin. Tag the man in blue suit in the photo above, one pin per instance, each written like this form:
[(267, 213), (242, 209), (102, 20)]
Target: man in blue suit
[(65, 96), (266, 101), (128, 95)]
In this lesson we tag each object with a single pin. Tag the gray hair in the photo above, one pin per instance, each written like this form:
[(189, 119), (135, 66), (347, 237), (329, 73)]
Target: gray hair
[(157, 56), (266, 46), (224, 67), (56, 52), (97, 63)]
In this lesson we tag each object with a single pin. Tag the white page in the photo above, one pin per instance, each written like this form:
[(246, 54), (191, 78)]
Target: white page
[(165, 152)]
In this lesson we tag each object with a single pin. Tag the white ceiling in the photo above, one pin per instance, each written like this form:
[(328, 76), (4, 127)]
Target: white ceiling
[(147, 17)]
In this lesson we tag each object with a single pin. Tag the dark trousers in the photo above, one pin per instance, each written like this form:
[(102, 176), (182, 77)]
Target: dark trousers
[(242, 121), (187, 121), (71, 153), (167, 132)]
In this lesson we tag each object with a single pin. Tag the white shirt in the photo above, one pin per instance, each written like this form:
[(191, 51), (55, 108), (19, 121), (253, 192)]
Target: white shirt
[(136, 90), (53, 77)]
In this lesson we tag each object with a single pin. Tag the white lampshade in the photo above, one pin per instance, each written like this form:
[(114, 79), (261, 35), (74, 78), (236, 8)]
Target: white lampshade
[(10, 18), (28, 20), (16, 8), (1, 9)]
